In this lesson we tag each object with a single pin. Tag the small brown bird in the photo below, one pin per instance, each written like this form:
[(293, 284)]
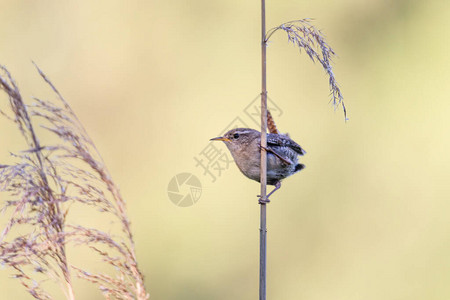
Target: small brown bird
[(282, 154)]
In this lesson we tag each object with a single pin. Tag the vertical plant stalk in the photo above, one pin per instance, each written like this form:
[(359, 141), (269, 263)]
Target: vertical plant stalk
[(304, 36), (263, 179)]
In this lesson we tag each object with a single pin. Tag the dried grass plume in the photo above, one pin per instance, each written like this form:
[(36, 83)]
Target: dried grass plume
[(305, 36), (46, 180)]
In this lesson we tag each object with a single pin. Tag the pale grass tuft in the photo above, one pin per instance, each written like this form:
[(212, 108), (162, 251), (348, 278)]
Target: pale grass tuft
[(305, 36), (42, 184)]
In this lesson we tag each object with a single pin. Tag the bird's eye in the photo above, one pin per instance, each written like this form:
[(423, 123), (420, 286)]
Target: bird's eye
[(236, 135)]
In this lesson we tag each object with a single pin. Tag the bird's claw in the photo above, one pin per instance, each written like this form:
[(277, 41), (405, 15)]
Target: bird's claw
[(263, 201), (266, 198)]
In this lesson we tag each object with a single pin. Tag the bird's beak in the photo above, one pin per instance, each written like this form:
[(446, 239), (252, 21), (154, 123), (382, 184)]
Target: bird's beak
[(220, 138)]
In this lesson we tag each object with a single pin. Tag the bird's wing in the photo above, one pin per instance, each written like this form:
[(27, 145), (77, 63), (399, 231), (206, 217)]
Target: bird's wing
[(270, 150), (281, 140)]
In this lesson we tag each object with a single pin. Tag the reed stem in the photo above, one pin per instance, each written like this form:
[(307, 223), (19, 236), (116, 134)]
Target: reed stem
[(263, 179)]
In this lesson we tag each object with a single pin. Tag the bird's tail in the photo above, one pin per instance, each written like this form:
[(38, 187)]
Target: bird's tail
[(271, 126)]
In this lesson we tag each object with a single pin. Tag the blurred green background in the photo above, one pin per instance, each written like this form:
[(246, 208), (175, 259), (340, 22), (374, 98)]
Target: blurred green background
[(152, 81)]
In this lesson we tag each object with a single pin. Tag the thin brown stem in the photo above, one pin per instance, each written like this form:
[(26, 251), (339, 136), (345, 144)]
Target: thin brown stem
[(263, 179)]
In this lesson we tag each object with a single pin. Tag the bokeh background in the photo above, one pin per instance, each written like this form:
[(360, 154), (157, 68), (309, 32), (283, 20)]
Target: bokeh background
[(152, 81)]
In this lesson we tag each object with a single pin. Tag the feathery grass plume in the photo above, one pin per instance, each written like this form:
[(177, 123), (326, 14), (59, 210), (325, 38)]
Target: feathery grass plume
[(43, 184), (303, 34)]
